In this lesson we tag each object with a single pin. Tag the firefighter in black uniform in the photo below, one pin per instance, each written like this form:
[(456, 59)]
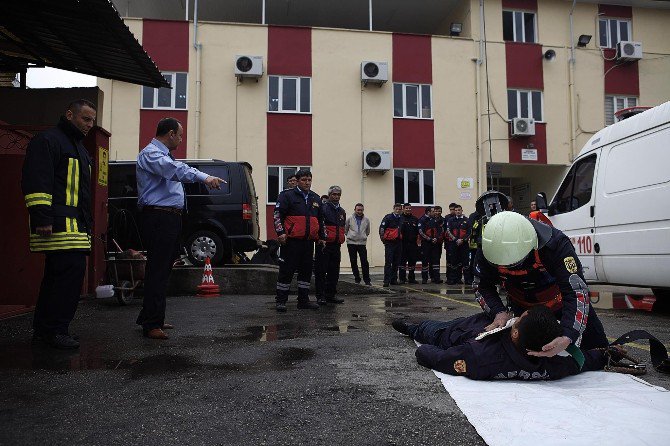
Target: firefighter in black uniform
[(56, 184), (474, 243), (410, 250), (457, 233), (389, 232), (536, 265), (431, 233), (327, 258), (298, 221)]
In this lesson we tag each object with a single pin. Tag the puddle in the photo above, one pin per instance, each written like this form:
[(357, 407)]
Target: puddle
[(342, 328)]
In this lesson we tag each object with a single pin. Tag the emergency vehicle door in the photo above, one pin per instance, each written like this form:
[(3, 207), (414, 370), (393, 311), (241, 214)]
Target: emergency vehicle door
[(572, 211)]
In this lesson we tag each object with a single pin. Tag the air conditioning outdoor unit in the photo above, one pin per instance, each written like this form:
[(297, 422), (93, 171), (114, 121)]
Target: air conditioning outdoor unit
[(628, 51), (523, 127), (248, 66), (374, 72), (376, 160)]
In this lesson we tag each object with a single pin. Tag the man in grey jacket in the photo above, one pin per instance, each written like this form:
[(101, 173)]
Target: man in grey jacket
[(356, 230)]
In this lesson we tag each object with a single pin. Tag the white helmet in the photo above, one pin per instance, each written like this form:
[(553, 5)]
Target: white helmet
[(508, 238)]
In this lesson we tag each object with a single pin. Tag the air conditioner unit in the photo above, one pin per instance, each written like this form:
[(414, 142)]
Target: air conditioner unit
[(248, 66), (628, 51), (374, 72), (523, 127), (376, 160)]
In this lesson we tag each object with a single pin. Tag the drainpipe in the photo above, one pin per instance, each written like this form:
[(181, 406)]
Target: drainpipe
[(478, 86), (571, 85), (198, 81)]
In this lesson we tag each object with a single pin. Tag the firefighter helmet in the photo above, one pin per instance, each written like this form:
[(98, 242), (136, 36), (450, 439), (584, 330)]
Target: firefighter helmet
[(508, 238)]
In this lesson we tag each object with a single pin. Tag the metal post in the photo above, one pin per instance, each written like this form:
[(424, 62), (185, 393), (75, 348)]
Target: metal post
[(369, 13)]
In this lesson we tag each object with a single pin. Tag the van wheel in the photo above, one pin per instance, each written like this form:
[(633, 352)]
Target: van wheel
[(203, 244)]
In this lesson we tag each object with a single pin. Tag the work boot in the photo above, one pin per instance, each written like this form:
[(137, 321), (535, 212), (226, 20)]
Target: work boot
[(334, 300), (60, 341), (308, 305), (385, 285), (402, 326), (321, 300), (281, 307), (424, 281), (357, 279)]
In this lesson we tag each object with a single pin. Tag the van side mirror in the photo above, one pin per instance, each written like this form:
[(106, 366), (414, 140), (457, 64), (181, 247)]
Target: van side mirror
[(541, 201)]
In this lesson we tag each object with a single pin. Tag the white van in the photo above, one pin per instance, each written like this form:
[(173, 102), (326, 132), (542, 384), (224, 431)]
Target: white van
[(614, 203)]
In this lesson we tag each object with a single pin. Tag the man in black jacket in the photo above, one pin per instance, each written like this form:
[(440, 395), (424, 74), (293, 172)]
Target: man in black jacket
[(389, 232), (410, 251), (56, 184), (327, 258)]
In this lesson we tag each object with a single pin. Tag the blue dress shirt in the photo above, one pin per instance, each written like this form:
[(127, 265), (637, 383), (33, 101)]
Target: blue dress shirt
[(159, 177)]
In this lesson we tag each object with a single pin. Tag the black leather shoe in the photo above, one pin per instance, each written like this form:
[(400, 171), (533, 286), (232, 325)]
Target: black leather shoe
[(368, 283), (394, 282), (281, 307), (401, 281), (438, 281), (357, 280), (334, 300), (412, 281), (321, 300), (424, 281), (308, 306), (402, 326), (61, 341), (385, 285)]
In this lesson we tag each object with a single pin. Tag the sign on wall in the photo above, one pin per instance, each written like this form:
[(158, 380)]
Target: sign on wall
[(103, 163), (465, 183)]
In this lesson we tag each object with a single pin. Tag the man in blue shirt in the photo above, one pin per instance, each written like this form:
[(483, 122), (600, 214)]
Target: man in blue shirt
[(162, 202)]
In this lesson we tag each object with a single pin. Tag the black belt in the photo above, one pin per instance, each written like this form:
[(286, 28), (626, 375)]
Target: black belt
[(177, 211)]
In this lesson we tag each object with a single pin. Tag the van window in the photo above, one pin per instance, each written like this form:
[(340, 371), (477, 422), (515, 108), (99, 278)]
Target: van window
[(215, 171), (122, 182), (577, 186)]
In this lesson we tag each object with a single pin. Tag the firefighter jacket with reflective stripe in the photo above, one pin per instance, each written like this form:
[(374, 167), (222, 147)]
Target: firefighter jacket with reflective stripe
[(551, 274), (334, 219), (456, 227), (299, 215), (56, 185), (476, 225), (409, 229)]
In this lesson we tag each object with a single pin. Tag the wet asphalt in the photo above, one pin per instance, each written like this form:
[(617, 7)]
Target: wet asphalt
[(235, 372)]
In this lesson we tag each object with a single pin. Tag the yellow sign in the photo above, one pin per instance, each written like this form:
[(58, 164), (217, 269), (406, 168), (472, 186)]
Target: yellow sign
[(103, 163)]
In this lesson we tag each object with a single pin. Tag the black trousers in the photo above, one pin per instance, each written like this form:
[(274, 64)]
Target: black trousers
[(392, 254), (327, 270), (408, 259), (458, 259), (430, 260), (469, 273), (297, 255), (160, 235), (362, 252), (60, 291)]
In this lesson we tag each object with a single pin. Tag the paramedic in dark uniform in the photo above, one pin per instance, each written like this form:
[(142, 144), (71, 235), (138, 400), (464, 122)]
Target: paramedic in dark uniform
[(389, 232), (536, 265), (298, 221), (451, 348), (56, 184), (410, 251), (431, 233), (457, 232), (327, 258)]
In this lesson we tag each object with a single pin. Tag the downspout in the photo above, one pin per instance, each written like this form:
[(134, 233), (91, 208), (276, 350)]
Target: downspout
[(571, 85), (198, 49), (478, 73)]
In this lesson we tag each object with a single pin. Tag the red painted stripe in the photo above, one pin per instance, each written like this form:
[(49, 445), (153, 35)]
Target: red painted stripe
[(413, 143), (412, 59), (624, 12), (289, 139), (289, 51), (149, 121), (527, 5), (539, 141), (167, 43), (524, 66), (622, 79)]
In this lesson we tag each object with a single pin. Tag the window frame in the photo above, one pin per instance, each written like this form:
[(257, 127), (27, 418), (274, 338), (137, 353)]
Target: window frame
[(280, 91), (420, 87), (173, 93), (422, 185), (282, 179), (530, 104), (608, 32), (570, 180), (614, 99), (523, 28)]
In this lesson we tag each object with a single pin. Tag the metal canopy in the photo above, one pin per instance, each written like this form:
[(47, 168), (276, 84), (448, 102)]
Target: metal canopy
[(84, 36)]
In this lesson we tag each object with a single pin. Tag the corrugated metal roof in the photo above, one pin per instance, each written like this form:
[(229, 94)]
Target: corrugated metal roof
[(85, 36)]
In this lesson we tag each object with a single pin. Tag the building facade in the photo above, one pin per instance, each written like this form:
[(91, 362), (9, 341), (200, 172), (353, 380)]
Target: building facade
[(445, 115)]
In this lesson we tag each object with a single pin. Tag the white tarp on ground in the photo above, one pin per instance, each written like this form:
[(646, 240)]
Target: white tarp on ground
[(593, 408)]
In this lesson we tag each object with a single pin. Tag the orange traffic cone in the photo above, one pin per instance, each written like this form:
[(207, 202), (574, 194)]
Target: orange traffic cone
[(208, 288)]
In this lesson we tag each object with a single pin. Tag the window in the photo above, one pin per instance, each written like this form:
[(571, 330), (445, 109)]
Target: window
[(167, 98), (576, 189), (613, 31), (519, 26), (412, 101), (615, 103), (413, 186), (198, 188), (524, 104), (290, 94), (277, 176)]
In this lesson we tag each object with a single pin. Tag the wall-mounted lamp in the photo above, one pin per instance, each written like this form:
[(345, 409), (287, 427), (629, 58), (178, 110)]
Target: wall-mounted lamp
[(583, 40), (550, 54), (455, 29)]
